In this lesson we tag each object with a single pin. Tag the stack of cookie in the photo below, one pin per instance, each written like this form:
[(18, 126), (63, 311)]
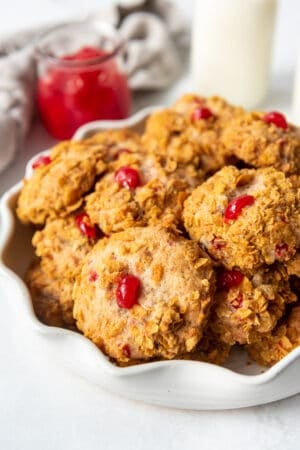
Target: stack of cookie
[(178, 243)]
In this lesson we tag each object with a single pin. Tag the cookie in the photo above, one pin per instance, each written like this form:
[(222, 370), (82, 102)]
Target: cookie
[(144, 293)]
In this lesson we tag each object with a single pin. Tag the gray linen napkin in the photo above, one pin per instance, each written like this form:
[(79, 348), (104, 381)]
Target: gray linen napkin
[(156, 36)]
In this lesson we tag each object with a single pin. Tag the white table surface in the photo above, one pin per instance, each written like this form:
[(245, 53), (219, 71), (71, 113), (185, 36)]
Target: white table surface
[(43, 407)]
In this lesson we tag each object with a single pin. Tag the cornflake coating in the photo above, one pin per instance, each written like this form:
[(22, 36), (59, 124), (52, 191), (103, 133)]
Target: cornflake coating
[(178, 138), (225, 112), (244, 312), (158, 199), (116, 142), (210, 349), (272, 347), (165, 137), (262, 144), (56, 189), (46, 294), (262, 233), (62, 248), (293, 266), (295, 180), (177, 284)]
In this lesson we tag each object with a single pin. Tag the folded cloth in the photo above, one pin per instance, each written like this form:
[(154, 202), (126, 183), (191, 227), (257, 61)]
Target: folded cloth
[(156, 36)]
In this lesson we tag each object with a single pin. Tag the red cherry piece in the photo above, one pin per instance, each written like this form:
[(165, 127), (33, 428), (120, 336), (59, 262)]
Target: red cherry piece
[(238, 301), (228, 279), (93, 276), (277, 119), (88, 229), (235, 206), (217, 243), (127, 177), (281, 250), (41, 161), (128, 291), (201, 113), (126, 351)]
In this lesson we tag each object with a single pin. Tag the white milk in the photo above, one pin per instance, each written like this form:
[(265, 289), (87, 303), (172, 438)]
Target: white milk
[(231, 48), (296, 95)]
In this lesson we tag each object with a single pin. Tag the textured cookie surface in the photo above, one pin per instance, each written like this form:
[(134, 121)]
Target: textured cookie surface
[(57, 188), (262, 144), (272, 347), (116, 142), (51, 299), (176, 288), (247, 307), (185, 136), (247, 235), (157, 198), (62, 247)]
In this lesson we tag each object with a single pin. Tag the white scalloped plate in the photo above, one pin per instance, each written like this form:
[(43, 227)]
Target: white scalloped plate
[(181, 384)]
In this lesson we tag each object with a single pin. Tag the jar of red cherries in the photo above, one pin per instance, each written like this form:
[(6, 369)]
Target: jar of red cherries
[(80, 77)]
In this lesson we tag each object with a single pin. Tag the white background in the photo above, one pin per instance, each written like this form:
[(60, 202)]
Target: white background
[(42, 407)]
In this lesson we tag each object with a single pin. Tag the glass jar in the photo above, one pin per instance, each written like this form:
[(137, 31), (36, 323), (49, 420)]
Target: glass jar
[(80, 77)]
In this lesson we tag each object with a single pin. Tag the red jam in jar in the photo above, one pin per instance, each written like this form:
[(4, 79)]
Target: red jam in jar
[(77, 88)]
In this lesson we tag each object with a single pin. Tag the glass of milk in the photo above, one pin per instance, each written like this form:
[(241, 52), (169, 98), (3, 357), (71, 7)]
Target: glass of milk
[(296, 94), (231, 48)]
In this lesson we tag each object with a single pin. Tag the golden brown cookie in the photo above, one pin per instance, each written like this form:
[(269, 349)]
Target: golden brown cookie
[(137, 192), (246, 307), (263, 144), (182, 143), (272, 347), (63, 243), (62, 246), (47, 293), (224, 111), (188, 134), (245, 218), (117, 142), (59, 182), (144, 293), (210, 349)]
